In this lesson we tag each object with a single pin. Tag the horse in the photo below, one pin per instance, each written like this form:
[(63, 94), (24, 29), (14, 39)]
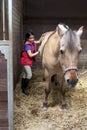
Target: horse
[(60, 51)]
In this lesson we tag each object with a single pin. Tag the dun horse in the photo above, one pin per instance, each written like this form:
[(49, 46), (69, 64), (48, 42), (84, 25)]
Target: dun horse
[(60, 51)]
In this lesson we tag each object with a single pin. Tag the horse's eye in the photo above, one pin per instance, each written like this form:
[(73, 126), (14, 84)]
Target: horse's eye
[(62, 51), (80, 50)]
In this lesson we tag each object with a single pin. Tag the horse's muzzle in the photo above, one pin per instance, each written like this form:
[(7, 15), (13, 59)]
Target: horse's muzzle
[(71, 83), (71, 77)]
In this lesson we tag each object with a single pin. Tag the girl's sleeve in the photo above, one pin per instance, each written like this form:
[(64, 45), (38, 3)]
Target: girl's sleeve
[(27, 47)]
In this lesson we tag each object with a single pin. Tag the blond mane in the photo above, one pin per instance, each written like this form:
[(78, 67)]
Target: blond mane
[(45, 38)]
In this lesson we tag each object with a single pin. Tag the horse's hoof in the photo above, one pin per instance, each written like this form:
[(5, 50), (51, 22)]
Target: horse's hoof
[(26, 93), (64, 106), (44, 106)]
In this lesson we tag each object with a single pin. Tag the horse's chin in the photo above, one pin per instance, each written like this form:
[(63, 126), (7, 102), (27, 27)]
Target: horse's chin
[(69, 85)]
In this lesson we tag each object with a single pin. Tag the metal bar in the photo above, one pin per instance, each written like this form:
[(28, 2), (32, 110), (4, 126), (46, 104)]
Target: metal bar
[(10, 19), (10, 68), (3, 19)]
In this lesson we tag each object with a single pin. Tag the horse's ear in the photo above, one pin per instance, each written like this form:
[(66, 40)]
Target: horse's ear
[(59, 31), (62, 28), (80, 31)]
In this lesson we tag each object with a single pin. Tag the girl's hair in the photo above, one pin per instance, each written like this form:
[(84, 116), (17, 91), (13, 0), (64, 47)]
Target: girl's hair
[(28, 34)]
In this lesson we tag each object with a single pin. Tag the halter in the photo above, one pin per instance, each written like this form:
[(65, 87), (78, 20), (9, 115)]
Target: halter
[(70, 68)]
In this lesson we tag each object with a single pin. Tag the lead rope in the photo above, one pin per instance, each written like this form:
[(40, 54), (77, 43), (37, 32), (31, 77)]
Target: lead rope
[(81, 74)]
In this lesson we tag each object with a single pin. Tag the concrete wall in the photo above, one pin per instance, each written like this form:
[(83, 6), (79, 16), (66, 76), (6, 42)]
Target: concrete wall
[(44, 15), (55, 8)]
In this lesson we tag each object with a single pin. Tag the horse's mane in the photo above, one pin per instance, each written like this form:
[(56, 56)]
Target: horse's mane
[(51, 34), (70, 39), (44, 41)]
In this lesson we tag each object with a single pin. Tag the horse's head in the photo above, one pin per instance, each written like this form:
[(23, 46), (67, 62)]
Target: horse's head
[(70, 49)]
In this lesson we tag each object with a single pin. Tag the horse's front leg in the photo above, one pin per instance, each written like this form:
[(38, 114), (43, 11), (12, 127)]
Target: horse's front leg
[(63, 98), (63, 92), (47, 90)]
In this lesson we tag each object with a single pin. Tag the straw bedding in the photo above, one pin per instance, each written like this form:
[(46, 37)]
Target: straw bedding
[(28, 113)]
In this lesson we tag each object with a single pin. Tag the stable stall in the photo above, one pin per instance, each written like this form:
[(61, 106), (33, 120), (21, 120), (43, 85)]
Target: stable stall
[(16, 18), (10, 18)]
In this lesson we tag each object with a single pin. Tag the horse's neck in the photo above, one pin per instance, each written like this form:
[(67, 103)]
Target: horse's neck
[(55, 44), (44, 40)]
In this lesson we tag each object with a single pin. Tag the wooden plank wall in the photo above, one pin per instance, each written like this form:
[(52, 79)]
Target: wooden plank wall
[(17, 19), (3, 94), (39, 27)]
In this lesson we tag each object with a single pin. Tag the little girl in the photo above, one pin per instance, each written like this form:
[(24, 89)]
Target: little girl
[(28, 55)]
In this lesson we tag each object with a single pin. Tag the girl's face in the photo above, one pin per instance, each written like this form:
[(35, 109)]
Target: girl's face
[(31, 38)]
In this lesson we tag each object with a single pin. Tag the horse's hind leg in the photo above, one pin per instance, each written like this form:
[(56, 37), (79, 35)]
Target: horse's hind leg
[(47, 90)]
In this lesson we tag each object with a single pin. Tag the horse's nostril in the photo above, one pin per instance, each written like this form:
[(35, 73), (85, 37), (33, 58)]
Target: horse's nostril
[(72, 83), (68, 80)]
